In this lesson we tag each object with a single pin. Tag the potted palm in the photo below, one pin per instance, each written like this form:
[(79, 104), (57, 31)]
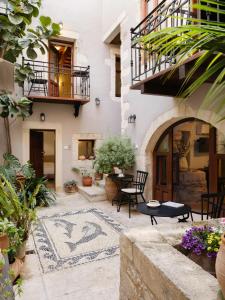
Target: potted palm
[(114, 153)]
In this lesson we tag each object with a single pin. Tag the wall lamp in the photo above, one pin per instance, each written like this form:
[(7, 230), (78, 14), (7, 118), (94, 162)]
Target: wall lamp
[(42, 117), (97, 101), (132, 119)]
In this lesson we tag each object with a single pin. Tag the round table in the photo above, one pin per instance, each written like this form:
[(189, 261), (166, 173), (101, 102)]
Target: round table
[(165, 211)]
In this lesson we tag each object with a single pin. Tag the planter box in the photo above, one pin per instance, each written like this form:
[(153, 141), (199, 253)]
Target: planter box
[(6, 76)]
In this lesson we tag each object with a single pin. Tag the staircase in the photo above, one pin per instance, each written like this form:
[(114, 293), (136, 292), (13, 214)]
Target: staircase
[(93, 193)]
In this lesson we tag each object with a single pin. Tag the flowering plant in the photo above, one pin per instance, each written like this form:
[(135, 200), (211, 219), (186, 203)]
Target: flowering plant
[(202, 239)]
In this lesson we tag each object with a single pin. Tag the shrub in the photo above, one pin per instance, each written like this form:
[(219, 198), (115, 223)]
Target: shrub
[(114, 152)]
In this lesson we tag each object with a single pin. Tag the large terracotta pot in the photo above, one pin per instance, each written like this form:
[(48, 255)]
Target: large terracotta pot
[(110, 188), (4, 241), (208, 264), (87, 181), (220, 265)]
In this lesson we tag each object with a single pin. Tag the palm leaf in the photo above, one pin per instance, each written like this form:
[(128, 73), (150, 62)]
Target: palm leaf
[(188, 39)]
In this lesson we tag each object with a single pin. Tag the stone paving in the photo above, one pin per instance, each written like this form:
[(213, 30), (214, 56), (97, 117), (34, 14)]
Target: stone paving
[(98, 280)]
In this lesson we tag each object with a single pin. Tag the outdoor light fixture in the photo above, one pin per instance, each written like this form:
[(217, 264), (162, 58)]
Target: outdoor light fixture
[(97, 101), (132, 119), (42, 117)]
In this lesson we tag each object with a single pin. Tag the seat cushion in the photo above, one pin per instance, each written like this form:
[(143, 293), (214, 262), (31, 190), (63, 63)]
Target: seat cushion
[(131, 190)]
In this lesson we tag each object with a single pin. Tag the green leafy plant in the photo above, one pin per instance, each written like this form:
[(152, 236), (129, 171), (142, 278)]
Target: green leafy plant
[(24, 180), (114, 152), (13, 108), (16, 34), (83, 171), (203, 37), (70, 183), (6, 275), (14, 234), (20, 211)]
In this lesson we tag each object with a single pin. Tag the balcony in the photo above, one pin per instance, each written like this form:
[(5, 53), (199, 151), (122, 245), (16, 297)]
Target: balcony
[(149, 74), (54, 83)]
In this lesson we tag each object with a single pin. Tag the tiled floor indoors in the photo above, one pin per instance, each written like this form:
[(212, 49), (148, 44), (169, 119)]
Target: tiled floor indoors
[(97, 280)]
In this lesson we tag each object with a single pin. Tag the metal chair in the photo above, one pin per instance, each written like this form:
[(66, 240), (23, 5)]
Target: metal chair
[(212, 205), (136, 189), (39, 84)]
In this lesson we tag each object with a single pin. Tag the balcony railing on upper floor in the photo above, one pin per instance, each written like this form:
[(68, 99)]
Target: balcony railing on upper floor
[(145, 63), (57, 83)]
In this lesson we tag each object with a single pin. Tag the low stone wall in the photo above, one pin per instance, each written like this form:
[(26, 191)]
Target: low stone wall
[(151, 268)]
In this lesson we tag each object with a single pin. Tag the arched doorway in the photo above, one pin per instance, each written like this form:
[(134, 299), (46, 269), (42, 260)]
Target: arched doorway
[(188, 160)]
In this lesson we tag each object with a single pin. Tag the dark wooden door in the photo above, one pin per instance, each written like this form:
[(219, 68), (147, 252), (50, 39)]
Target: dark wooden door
[(37, 152), (216, 163), (162, 168)]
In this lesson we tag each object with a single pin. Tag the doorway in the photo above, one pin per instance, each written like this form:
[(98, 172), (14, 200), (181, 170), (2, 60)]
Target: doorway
[(42, 154), (60, 69), (189, 160)]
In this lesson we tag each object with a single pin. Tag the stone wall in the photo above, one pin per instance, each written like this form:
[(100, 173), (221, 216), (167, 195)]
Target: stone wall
[(151, 268)]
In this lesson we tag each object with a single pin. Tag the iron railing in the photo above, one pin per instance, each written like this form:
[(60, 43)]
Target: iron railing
[(56, 80), (145, 63)]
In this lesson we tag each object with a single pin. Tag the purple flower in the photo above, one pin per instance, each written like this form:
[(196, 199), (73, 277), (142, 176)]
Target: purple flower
[(194, 239)]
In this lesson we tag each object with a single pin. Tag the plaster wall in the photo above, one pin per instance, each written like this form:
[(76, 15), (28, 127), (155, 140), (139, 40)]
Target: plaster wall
[(82, 22), (153, 113)]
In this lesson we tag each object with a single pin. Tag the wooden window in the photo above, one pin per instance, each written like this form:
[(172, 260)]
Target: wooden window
[(86, 149), (118, 77)]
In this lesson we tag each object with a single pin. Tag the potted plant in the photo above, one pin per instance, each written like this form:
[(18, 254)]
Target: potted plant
[(114, 152), (18, 207), (201, 244), (70, 186), (86, 175), (13, 250)]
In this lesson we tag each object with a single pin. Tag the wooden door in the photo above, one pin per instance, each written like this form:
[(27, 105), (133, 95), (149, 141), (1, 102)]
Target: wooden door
[(53, 78), (162, 168), (216, 162), (37, 152)]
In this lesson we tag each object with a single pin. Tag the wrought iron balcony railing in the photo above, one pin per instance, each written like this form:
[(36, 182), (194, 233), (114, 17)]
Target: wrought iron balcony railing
[(145, 63), (57, 81)]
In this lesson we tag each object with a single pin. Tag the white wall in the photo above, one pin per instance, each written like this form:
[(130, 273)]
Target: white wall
[(82, 20)]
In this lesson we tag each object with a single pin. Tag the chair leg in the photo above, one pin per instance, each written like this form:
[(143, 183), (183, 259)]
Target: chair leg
[(129, 207), (143, 198), (30, 89), (191, 216)]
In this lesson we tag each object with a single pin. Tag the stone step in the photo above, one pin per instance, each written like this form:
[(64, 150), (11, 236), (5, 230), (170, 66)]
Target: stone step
[(92, 193)]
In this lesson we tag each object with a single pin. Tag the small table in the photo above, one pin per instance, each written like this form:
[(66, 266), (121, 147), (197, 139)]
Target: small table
[(165, 211)]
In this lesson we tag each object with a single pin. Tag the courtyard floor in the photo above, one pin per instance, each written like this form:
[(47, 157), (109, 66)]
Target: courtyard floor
[(96, 279)]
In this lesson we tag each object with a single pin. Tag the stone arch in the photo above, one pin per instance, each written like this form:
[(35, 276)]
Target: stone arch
[(158, 127)]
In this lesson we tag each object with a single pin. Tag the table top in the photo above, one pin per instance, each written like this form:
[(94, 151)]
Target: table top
[(163, 211), (126, 177)]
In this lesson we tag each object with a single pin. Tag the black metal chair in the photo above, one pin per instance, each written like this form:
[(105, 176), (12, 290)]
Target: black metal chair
[(136, 189), (39, 83), (212, 205)]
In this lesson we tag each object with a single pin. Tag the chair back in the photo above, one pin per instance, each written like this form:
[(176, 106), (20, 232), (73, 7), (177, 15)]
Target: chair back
[(141, 179), (212, 204)]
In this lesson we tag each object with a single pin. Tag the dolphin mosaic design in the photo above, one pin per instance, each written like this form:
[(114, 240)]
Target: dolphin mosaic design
[(91, 232), (65, 224)]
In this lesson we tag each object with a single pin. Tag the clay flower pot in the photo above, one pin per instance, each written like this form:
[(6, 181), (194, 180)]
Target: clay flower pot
[(4, 241), (220, 265), (16, 268), (87, 181)]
